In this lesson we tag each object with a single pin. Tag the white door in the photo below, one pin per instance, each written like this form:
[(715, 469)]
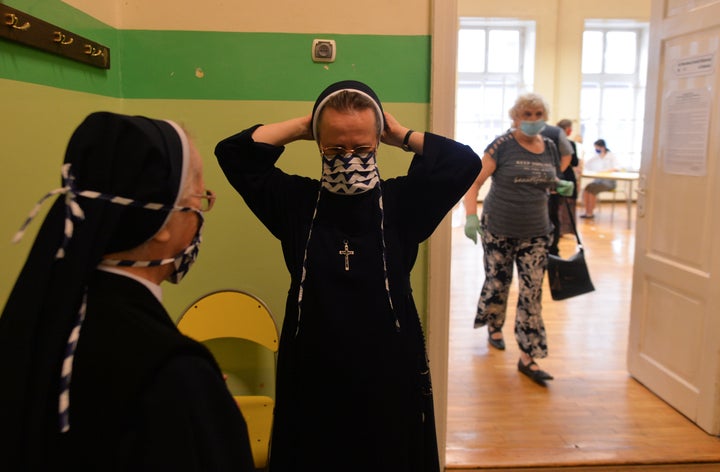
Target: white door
[(674, 341)]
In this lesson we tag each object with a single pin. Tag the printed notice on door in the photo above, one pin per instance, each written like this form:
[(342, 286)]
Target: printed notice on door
[(685, 134)]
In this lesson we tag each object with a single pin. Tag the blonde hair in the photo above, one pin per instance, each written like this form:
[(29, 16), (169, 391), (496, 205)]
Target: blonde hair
[(351, 100), (529, 100)]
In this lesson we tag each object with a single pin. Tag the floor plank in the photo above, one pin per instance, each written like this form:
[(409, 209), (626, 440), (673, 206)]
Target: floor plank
[(593, 413)]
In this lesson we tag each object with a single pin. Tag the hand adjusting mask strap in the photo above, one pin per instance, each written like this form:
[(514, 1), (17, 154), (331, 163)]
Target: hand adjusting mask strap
[(347, 172)]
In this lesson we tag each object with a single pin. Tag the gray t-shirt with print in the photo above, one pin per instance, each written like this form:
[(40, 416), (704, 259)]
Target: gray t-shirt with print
[(516, 206)]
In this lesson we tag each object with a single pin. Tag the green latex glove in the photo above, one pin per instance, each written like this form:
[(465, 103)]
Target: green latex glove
[(565, 188), (472, 227)]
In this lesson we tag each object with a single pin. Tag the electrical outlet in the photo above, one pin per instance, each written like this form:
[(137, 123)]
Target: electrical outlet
[(323, 50)]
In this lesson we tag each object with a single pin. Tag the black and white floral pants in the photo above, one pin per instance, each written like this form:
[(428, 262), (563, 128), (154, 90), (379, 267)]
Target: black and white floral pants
[(500, 254)]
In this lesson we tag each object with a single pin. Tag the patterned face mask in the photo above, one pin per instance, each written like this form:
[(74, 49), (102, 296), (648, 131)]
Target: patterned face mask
[(188, 257), (182, 261), (74, 213), (349, 171)]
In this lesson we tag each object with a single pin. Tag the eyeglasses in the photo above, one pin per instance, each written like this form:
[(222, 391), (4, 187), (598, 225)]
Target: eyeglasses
[(334, 151), (207, 200)]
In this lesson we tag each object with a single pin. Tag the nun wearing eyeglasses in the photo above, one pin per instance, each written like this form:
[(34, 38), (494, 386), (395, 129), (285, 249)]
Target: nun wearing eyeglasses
[(353, 382), (95, 375)]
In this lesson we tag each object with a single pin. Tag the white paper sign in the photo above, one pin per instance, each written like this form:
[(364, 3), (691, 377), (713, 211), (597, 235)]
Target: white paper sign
[(685, 134), (694, 66)]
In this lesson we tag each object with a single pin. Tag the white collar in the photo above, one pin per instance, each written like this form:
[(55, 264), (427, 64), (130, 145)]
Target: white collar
[(155, 289)]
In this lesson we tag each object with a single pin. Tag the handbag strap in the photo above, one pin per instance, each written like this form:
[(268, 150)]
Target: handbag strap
[(572, 222)]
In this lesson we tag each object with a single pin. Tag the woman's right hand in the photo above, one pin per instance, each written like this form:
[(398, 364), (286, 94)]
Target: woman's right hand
[(472, 227), (285, 132)]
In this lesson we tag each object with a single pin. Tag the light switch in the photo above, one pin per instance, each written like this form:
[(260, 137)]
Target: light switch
[(323, 50)]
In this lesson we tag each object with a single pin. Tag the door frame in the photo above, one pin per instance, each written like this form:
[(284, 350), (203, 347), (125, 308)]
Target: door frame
[(444, 21)]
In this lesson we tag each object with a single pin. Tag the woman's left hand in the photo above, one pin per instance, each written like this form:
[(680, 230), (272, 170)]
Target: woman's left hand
[(565, 187), (394, 132)]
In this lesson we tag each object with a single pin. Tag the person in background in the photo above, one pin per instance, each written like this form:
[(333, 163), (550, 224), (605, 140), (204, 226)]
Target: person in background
[(602, 161), (353, 381), (569, 174), (95, 374), (562, 144), (515, 229)]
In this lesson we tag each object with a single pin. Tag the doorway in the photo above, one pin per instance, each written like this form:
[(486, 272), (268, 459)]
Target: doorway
[(442, 121)]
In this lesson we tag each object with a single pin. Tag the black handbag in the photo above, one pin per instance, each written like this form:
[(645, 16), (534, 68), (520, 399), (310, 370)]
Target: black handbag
[(569, 277)]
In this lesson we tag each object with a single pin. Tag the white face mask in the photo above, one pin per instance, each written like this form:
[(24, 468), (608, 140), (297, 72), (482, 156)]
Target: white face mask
[(348, 173)]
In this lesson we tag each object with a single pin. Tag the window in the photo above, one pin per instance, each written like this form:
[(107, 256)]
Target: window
[(496, 59), (612, 100)]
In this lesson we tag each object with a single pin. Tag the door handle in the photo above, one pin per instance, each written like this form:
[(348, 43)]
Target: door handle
[(642, 193)]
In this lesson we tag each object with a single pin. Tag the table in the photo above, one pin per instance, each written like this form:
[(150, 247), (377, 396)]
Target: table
[(629, 177)]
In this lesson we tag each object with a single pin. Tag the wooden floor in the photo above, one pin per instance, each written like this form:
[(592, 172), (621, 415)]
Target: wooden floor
[(593, 416)]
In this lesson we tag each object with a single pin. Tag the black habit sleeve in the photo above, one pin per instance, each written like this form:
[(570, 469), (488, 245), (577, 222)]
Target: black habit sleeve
[(270, 193), (435, 182), (193, 424)]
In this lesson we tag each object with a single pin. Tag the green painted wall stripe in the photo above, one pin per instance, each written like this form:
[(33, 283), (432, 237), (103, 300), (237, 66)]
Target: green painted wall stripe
[(229, 66), (218, 65), (268, 66), (25, 64)]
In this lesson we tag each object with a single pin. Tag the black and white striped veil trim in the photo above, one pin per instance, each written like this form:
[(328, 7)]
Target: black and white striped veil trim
[(66, 371), (73, 211), (384, 259), (73, 214)]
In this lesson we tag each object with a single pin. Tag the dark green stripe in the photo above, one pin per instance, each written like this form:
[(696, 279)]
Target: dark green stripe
[(218, 65), (263, 66), (25, 64)]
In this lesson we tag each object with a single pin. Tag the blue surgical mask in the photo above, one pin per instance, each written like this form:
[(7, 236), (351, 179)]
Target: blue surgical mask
[(532, 128)]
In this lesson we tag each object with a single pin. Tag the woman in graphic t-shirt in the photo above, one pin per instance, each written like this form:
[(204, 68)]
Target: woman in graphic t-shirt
[(515, 228)]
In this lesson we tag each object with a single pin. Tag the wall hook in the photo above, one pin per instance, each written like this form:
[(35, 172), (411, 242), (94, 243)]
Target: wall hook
[(91, 50), (59, 37), (11, 19), (51, 38)]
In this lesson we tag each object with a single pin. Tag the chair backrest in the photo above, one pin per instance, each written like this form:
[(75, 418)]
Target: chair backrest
[(220, 319), (230, 314)]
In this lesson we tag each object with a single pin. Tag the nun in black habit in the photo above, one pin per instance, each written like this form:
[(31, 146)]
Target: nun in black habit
[(95, 375), (353, 386)]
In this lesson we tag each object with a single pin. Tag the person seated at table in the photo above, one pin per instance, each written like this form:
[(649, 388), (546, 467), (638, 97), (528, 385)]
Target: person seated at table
[(602, 161)]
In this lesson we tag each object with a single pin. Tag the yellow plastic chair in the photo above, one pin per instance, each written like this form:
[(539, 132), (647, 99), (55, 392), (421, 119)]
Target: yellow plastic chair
[(240, 331)]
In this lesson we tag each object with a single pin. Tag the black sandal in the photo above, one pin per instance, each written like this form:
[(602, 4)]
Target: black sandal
[(498, 344), (538, 376)]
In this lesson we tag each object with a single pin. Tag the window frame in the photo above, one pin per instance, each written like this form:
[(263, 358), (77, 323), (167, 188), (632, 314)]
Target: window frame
[(623, 137), (489, 122)]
